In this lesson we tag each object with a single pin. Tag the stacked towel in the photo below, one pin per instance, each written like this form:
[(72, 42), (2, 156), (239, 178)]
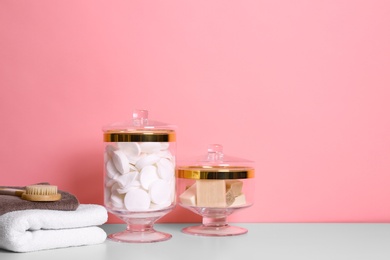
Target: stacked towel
[(39, 229)]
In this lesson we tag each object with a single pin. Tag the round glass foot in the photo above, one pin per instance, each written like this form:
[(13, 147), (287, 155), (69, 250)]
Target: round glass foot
[(226, 230), (149, 236), (214, 222)]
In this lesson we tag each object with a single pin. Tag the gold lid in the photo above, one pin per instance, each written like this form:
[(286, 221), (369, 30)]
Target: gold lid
[(140, 136), (215, 172)]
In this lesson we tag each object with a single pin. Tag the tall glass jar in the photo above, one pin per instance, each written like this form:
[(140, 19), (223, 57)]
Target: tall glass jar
[(139, 175), (215, 186)]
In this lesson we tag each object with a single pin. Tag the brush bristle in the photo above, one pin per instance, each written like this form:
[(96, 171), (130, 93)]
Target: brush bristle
[(41, 190)]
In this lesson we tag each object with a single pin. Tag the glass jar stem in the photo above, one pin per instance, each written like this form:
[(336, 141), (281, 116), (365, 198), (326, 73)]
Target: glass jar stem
[(214, 221), (139, 227)]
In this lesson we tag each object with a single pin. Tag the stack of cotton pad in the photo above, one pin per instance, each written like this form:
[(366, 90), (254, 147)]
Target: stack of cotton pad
[(140, 176)]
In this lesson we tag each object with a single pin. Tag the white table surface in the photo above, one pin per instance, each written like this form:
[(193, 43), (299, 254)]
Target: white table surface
[(263, 241)]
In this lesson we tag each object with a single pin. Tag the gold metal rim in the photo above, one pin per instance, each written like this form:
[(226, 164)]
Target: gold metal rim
[(140, 136), (215, 172)]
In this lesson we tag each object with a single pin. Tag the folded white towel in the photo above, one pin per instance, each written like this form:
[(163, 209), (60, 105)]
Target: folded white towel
[(33, 230)]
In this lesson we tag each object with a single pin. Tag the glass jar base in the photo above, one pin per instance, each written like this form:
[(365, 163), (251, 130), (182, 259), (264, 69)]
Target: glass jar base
[(149, 236), (215, 231)]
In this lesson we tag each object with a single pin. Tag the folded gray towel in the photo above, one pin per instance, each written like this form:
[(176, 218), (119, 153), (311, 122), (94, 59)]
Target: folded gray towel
[(68, 202)]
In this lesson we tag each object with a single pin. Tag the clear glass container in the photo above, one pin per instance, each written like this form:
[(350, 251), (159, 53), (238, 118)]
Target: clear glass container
[(215, 186), (139, 176)]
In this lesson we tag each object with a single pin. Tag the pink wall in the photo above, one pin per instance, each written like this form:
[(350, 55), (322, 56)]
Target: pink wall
[(300, 87)]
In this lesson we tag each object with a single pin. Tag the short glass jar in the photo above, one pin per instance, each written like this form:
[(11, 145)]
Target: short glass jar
[(214, 186), (139, 175)]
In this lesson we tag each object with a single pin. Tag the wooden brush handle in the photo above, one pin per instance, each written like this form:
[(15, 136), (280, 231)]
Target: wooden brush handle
[(12, 192)]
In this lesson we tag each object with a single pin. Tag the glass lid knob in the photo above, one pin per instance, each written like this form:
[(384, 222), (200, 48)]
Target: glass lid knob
[(215, 153), (140, 117)]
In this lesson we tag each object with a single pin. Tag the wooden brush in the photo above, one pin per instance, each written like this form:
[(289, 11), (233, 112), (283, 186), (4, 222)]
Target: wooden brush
[(34, 193)]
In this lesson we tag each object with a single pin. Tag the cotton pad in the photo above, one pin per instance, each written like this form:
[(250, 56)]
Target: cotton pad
[(147, 176), (159, 192), (147, 160), (137, 199), (165, 169), (120, 161), (131, 149)]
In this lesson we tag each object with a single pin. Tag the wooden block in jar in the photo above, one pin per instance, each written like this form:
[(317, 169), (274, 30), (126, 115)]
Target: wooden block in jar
[(188, 197), (235, 186), (239, 201), (210, 193)]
